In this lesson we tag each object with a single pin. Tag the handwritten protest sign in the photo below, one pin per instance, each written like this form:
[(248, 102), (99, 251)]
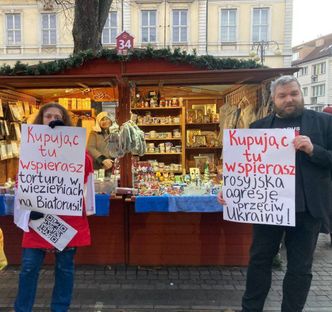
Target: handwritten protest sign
[(51, 169), (54, 230), (259, 176)]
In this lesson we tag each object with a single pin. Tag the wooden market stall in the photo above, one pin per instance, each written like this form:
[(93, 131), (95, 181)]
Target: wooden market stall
[(124, 236)]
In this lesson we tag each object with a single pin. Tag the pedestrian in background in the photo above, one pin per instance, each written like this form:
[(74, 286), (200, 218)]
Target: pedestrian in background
[(35, 247), (313, 200)]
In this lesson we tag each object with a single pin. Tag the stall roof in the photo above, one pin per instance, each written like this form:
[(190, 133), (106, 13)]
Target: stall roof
[(232, 76), (201, 77), (57, 81)]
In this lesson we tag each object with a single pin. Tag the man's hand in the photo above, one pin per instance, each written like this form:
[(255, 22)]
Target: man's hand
[(303, 143), (107, 164), (220, 199)]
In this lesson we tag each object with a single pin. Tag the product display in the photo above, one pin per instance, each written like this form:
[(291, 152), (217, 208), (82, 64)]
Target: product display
[(153, 178), (181, 135), (174, 137)]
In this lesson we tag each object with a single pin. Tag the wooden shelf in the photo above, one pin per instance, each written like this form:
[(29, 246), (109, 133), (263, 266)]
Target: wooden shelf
[(202, 125), (155, 108), (161, 154), (157, 125), (183, 126), (203, 148), (170, 171), (170, 139)]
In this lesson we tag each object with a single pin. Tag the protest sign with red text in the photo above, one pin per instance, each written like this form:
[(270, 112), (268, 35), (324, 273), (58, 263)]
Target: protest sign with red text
[(259, 176), (51, 169)]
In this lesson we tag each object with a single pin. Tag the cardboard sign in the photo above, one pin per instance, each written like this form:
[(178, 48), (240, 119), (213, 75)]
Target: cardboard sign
[(51, 169), (54, 230), (259, 176)]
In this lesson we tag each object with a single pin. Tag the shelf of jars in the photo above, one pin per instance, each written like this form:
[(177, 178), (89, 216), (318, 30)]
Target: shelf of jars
[(153, 100), (170, 153), (155, 108), (158, 125), (182, 147), (163, 126), (153, 135)]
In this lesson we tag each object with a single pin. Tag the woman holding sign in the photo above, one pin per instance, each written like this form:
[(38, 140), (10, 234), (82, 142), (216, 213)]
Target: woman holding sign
[(35, 246)]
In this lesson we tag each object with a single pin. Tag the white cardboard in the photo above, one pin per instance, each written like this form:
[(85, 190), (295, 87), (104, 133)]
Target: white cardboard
[(51, 169), (259, 176)]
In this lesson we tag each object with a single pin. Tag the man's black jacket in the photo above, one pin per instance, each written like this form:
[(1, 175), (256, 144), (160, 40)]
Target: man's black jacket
[(316, 169)]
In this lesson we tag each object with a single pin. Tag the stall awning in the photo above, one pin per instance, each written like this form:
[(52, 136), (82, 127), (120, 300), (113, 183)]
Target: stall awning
[(232, 76), (57, 81)]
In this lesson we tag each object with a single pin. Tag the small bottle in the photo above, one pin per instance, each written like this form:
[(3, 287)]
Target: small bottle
[(206, 171)]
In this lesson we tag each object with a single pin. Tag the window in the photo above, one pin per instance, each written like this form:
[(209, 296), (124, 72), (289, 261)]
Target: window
[(228, 25), (149, 26), (180, 26), (318, 90), (295, 56), (305, 91), (319, 69), (49, 29), (313, 100), (260, 24), (13, 25), (303, 71), (317, 108), (110, 29)]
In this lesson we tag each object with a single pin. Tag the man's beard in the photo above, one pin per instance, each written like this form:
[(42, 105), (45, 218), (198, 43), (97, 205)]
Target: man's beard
[(295, 113)]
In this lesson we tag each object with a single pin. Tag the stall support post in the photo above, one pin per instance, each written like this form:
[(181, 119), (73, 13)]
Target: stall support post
[(124, 115)]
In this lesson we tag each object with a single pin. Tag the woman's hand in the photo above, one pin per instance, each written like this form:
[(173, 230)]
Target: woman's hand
[(107, 164), (221, 199)]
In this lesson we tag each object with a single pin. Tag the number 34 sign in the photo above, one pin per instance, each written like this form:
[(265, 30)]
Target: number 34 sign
[(124, 42)]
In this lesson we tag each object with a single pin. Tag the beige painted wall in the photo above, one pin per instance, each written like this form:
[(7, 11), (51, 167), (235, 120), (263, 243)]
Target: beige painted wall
[(31, 50)]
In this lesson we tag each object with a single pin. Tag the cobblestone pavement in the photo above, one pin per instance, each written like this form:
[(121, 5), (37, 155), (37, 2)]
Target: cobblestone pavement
[(208, 289)]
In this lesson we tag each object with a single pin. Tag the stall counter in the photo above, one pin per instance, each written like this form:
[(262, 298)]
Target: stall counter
[(102, 204), (125, 234), (184, 203)]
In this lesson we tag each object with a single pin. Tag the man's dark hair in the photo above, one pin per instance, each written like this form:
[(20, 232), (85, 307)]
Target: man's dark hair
[(281, 81), (65, 116)]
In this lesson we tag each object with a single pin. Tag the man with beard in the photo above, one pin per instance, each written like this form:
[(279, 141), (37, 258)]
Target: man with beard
[(313, 199)]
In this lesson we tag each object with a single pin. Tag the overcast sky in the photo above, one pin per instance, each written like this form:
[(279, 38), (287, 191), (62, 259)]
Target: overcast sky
[(311, 19)]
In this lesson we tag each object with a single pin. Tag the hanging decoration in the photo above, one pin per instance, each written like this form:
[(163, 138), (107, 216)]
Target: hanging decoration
[(175, 56)]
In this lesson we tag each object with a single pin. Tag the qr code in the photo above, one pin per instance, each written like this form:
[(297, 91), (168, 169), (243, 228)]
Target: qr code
[(52, 228)]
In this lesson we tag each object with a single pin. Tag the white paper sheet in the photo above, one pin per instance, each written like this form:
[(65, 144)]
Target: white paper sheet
[(54, 230)]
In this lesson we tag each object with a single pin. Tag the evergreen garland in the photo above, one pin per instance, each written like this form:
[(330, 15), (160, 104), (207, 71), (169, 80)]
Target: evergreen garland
[(175, 56)]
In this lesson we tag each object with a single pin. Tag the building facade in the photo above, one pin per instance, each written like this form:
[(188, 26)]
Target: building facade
[(314, 58), (40, 30)]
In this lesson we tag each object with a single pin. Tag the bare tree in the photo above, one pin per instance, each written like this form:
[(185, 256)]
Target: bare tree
[(89, 20)]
